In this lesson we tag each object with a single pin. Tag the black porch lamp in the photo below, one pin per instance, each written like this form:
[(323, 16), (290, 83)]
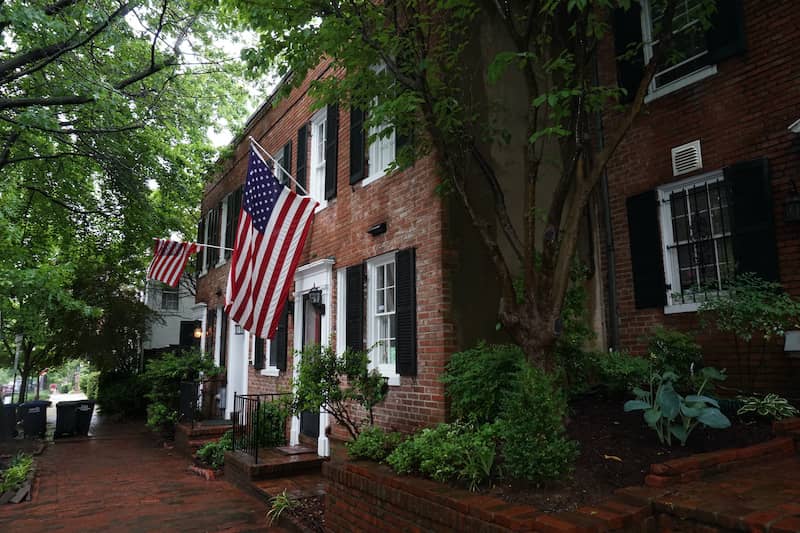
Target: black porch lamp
[(315, 297)]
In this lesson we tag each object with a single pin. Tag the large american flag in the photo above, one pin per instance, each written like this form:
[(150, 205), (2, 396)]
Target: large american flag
[(169, 260), (273, 227)]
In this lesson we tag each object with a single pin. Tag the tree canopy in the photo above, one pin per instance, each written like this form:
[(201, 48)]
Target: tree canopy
[(104, 110), (504, 94)]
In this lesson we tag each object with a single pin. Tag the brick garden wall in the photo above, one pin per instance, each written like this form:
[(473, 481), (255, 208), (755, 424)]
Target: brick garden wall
[(741, 113)]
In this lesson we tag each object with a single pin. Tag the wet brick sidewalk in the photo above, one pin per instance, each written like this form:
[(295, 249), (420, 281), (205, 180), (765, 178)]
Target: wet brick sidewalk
[(121, 480)]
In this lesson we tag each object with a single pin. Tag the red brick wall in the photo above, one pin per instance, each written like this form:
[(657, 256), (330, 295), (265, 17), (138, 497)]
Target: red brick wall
[(739, 114), (408, 203)]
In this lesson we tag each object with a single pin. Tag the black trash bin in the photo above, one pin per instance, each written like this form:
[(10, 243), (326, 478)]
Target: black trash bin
[(8, 421), (34, 417), (65, 418), (83, 417)]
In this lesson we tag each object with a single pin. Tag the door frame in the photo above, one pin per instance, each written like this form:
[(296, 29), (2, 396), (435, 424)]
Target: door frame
[(318, 274)]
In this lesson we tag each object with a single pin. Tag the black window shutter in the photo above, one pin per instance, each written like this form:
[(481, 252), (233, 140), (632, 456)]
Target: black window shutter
[(646, 256), (281, 339), (406, 315), (354, 308), (754, 246), (232, 219), (259, 356), (331, 150), (223, 340), (201, 254), (287, 162), (726, 37), (357, 138), (627, 37), (302, 154)]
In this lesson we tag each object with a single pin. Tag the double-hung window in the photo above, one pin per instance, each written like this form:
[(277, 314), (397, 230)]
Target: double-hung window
[(687, 59), (381, 152), (316, 183), (169, 298), (696, 226), (382, 314)]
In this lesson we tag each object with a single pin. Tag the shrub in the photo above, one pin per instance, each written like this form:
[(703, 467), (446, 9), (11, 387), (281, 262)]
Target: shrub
[(770, 406), (213, 453), (619, 372), (477, 380), (673, 350), (14, 476), (271, 423), (753, 312), (531, 429), (163, 377), (320, 382), (65, 388), (374, 444), (89, 384), (449, 452), (280, 503), (121, 395)]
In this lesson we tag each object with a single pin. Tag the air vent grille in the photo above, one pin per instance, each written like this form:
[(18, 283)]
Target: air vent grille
[(686, 158)]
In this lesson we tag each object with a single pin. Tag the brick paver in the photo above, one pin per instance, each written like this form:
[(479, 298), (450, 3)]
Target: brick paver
[(121, 480)]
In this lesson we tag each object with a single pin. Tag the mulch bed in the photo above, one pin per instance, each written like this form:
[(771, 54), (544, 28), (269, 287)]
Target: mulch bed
[(616, 450), (310, 513)]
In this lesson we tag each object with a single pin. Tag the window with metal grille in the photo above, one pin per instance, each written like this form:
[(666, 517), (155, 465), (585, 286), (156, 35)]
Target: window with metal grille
[(169, 298), (697, 233)]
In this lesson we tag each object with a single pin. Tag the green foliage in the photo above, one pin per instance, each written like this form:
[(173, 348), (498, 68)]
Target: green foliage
[(751, 310), (672, 415), (374, 443), (271, 423), (571, 351), (331, 382), (18, 469), (477, 380), (449, 452), (677, 352), (89, 384), (163, 377), (619, 372), (65, 388), (531, 429), (280, 503), (213, 453), (121, 394), (770, 406)]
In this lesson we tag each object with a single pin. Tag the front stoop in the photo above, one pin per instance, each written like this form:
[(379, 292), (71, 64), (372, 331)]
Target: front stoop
[(189, 439)]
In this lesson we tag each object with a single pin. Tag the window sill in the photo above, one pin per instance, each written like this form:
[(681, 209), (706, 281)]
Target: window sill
[(203, 273), (220, 263), (681, 308), (270, 371), (679, 84), (366, 181)]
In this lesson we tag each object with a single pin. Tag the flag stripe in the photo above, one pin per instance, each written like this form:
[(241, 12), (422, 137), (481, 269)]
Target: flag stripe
[(169, 261)]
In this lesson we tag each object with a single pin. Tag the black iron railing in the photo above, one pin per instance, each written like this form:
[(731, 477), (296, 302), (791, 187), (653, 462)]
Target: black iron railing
[(259, 421), (200, 400)]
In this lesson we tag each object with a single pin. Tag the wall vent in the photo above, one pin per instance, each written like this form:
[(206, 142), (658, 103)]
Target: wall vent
[(686, 158)]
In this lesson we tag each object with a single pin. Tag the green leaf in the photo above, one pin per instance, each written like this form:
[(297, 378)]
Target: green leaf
[(652, 416), (669, 401), (691, 412), (713, 418), (635, 405), (692, 398), (679, 432)]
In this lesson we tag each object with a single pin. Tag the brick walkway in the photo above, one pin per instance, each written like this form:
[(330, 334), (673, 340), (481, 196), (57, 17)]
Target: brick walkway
[(120, 480)]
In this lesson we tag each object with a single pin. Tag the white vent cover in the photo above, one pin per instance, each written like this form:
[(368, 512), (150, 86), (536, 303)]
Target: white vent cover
[(686, 158)]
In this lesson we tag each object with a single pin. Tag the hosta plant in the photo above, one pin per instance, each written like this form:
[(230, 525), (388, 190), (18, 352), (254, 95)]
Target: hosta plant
[(771, 406), (672, 415)]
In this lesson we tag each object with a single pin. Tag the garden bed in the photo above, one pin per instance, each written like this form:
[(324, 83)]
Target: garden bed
[(616, 450)]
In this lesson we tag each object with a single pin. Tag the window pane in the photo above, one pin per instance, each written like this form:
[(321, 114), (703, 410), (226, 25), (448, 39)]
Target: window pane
[(381, 271), (392, 355), (390, 300), (390, 275), (380, 304)]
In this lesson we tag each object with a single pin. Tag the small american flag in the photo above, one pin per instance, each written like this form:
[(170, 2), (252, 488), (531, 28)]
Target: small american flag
[(169, 260), (273, 227)]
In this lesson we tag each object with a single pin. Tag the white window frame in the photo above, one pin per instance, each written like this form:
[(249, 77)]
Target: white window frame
[(386, 370), (223, 228), (206, 220), (671, 268), (317, 166), (268, 370), (648, 44), (166, 289), (381, 145)]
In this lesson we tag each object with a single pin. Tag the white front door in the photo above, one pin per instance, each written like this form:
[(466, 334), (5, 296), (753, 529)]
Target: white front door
[(237, 365)]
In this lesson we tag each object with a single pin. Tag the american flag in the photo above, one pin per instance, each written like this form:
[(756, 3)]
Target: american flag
[(169, 260), (273, 227)]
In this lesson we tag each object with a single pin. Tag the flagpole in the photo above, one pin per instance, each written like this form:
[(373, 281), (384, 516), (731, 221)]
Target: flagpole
[(205, 245), (264, 150)]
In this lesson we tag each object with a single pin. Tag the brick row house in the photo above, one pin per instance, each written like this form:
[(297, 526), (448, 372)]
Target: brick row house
[(698, 190), (375, 273), (694, 194)]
